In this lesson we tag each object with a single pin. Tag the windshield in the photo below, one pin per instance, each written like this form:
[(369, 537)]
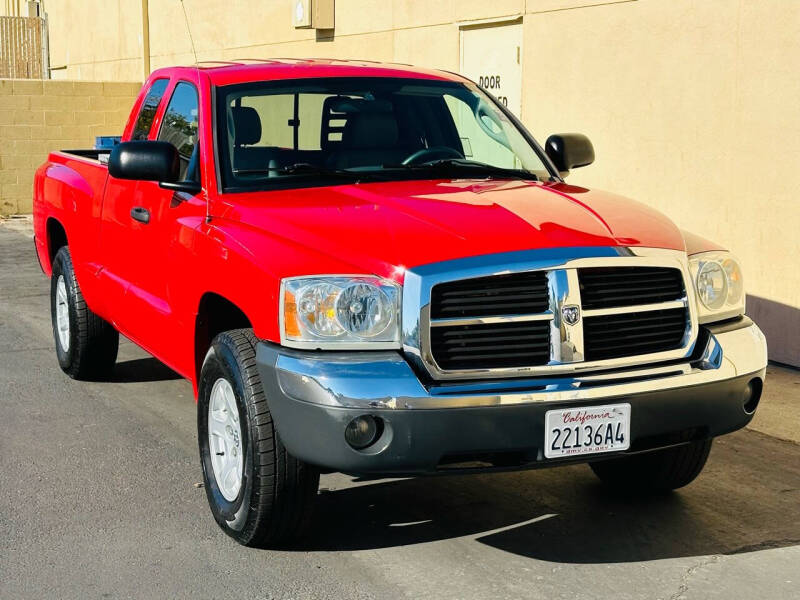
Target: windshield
[(274, 134)]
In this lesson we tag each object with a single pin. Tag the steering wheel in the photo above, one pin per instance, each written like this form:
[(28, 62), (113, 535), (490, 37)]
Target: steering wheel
[(426, 155)]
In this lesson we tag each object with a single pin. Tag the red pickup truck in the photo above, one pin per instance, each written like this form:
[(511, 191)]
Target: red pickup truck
[(375, 269)]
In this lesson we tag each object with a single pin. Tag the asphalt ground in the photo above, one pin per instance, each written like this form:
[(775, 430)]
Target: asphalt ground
[(99, 498)]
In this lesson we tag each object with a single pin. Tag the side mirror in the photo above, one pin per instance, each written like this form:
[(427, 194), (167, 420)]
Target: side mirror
[(569, 151), (145, 161)]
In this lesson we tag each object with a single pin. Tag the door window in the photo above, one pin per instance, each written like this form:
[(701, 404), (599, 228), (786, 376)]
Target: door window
[(179, 128)]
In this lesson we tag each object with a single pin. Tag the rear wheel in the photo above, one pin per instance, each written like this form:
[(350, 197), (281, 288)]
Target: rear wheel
[(657, 471), (258, 493), (86, 344)]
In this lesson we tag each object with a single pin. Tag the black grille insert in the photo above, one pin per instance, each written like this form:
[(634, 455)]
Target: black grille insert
[(608, 287), (512, 294), (616, 336), (491, 346)]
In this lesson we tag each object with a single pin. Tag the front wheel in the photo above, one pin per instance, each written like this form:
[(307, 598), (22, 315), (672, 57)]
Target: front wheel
[(658, 471), (259, 494)]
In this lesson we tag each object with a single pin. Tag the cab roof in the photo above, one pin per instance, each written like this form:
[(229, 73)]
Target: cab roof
[(246, 70)]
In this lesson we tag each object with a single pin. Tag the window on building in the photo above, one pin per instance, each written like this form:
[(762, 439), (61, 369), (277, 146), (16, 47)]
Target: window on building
[(179, 128), (149, 109)]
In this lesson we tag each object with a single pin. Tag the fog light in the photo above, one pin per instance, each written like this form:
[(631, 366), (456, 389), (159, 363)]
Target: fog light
[(362, 431), (752, 395)]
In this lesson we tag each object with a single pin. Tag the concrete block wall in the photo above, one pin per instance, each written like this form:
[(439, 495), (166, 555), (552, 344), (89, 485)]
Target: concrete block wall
[(37, 117)]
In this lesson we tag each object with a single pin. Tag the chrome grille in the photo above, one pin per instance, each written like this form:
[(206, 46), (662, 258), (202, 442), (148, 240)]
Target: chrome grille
[(513, 315)]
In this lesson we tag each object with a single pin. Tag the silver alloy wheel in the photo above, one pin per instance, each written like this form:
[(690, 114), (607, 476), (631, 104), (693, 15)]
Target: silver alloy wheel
[(225, 439), (62, 313)]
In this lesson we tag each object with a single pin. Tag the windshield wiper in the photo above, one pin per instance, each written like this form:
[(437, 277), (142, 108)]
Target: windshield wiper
[(463, 166), (305, 169), (448, 166)]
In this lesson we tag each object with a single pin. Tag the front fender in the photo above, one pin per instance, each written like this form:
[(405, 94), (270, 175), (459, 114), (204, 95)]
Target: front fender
[(245, 265)]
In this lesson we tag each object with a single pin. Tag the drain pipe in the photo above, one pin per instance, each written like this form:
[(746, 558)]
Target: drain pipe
[(146, 38)]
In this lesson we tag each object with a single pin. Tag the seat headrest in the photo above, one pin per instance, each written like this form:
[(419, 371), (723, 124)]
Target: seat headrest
[(246, 125), (370, 130)]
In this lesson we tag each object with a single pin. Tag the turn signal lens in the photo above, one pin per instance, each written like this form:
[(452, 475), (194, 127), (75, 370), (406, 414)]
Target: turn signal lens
[(291, 326), (735, 281)]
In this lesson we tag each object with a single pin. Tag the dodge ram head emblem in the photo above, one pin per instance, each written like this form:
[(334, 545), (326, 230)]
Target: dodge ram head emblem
[(571, 314)]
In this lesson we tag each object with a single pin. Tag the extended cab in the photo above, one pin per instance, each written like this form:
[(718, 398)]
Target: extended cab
[(375, 269)]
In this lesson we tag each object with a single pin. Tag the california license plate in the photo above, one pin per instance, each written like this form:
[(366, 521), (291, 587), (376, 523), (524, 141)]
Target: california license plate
[(587, 430)]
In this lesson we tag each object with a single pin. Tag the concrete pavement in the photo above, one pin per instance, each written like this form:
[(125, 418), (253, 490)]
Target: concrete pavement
[(98, 499)]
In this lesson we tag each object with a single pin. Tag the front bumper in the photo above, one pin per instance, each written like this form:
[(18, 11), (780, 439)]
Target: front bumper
[(434, 426)]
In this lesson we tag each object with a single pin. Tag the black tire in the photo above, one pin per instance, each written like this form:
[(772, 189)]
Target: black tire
[(658, 471), (93, 343), (277, 491)]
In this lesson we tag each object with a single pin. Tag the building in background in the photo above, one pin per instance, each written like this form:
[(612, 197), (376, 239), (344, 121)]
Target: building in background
[(23, 40), (682, 98), (20, 8)]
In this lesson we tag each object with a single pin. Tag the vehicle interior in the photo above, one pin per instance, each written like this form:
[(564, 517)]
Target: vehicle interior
[(353, 132)]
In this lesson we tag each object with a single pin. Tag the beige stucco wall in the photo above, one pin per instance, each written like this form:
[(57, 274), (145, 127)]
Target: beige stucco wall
[(694, 108), (37, 117), (693, 105)]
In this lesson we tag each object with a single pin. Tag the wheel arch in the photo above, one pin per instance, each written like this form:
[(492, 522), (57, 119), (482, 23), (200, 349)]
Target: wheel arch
[(215, 314), (56, 239)]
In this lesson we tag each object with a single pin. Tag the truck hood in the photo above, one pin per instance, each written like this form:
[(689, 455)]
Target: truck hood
[(388, 226)]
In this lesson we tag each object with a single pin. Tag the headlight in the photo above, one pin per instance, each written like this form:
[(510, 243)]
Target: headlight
[(719, 285), (340, 312)]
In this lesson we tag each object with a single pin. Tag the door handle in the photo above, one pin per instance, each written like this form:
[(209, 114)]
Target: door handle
[(141, 214)]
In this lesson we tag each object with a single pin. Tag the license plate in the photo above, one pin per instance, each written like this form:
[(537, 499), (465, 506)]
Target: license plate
[(587, 430)]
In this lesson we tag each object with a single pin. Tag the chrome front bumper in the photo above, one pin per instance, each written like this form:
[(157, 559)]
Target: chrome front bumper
[(313, 395), (384, 380)]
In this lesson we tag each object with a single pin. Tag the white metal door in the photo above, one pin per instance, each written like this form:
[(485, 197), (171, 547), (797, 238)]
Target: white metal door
[(492, 57)]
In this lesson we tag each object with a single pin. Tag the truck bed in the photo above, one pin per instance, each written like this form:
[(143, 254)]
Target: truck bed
[(100, 155), (69, 189)]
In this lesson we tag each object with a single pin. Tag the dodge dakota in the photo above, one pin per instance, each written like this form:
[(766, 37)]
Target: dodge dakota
[(375, 269)]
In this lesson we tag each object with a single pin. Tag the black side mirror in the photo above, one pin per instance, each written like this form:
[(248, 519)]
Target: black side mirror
[(150, 161), (569, 151), (145, 161)]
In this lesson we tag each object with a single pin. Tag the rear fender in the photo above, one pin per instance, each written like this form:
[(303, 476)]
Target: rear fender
[(74, 199)]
